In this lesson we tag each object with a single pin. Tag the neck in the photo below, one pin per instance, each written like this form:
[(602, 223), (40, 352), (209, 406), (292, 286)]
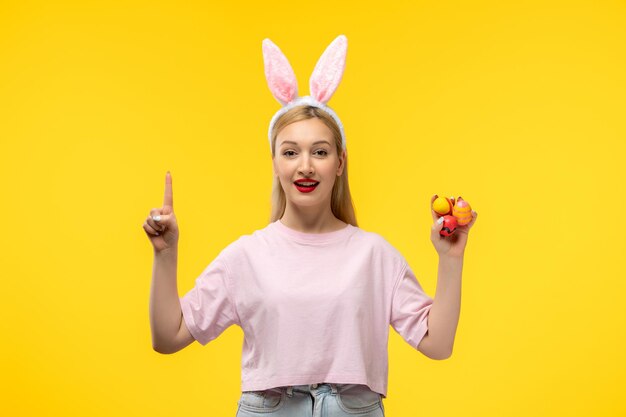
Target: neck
[(311, 219)]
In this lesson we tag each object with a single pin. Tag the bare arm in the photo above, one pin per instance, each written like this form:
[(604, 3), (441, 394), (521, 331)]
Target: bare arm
[(443, 317), (169, 332)]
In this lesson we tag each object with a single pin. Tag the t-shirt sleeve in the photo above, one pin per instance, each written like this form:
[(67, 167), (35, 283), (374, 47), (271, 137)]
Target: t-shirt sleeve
[(208, 308), (409, 308)]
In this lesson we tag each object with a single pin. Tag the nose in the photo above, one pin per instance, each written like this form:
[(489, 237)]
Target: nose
[(306, 167)]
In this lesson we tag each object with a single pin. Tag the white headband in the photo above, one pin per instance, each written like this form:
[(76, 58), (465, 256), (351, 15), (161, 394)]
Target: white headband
[(322, 84)]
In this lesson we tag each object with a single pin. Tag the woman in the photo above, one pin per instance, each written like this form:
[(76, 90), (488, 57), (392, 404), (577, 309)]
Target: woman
[(313, 293)]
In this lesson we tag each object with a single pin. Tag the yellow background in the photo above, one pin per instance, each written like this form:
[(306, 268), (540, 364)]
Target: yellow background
[(519, 107)]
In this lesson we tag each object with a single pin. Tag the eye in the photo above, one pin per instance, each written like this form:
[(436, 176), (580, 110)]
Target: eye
[(323, 152), (287, 152)]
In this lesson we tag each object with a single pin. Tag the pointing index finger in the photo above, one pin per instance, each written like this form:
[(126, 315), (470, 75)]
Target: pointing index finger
[(167, 198)]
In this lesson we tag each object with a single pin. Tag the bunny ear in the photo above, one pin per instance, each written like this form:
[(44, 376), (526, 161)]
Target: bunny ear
[(279, 74), (329, 70)]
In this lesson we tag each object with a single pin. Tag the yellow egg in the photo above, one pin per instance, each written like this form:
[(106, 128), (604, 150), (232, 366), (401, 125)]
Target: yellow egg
[(463, 212), (441, 205)]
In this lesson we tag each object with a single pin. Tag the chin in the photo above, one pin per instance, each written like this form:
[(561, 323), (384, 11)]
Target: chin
[(305, 200)]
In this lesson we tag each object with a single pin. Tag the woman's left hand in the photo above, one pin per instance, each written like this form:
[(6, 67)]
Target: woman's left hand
[(454, 245)]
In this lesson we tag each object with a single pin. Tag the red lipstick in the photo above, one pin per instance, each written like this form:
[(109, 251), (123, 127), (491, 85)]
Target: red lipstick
[(303, 188)]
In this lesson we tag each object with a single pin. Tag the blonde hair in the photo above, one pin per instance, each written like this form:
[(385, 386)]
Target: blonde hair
[(341, 200)]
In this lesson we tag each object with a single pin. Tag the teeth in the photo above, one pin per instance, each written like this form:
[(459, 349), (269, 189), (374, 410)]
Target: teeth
[(306, 184)]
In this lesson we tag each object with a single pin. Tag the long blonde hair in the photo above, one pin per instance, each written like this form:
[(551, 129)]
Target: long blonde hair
[(341, 200)]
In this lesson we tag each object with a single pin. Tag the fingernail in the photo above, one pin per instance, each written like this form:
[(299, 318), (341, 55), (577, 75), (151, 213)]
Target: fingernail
[(156, 218), (440, 220)]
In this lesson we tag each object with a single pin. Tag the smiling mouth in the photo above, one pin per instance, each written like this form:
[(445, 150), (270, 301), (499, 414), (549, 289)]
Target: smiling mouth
[(305, 188)]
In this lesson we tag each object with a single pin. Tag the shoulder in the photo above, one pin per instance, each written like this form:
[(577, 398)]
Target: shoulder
[(386, 256), (380, 245), (246, 243)]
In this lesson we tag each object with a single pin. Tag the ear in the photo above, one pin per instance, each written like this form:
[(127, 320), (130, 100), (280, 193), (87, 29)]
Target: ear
[(279, 74), (329, 70), (342, 163)]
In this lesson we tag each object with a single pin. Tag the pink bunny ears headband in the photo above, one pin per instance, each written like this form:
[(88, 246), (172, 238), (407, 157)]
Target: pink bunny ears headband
[(322, 84)]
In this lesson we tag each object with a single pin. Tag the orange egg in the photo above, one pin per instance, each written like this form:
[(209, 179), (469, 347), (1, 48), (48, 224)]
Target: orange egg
[(463, 212)]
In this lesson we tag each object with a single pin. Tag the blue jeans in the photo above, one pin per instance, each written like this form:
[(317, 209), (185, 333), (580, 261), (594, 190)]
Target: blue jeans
[(315, 400)]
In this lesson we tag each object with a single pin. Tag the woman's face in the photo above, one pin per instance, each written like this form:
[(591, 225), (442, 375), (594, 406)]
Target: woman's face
[(306, 150)]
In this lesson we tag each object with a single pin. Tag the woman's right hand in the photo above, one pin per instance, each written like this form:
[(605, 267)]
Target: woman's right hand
[(163, 230)]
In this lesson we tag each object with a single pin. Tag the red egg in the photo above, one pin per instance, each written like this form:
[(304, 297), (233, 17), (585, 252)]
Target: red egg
[(449, 225)]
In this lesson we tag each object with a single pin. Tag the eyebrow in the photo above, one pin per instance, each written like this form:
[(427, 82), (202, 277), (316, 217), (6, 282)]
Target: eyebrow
[(314, 143)]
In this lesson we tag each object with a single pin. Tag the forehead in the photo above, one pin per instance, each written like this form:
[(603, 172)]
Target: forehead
[(305, 132)]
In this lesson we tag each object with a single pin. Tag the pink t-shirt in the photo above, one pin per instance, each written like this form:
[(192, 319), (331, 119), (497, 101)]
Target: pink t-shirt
[(314, 307)]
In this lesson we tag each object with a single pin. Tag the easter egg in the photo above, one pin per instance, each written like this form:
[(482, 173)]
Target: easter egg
[(442, 205), (463, 212), (449, 225)]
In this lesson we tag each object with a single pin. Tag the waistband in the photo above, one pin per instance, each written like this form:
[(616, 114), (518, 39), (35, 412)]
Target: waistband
[(312, 388)]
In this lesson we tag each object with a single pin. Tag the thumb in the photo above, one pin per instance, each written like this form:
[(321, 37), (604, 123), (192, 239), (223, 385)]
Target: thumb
[(438, 225), (163, 219)]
